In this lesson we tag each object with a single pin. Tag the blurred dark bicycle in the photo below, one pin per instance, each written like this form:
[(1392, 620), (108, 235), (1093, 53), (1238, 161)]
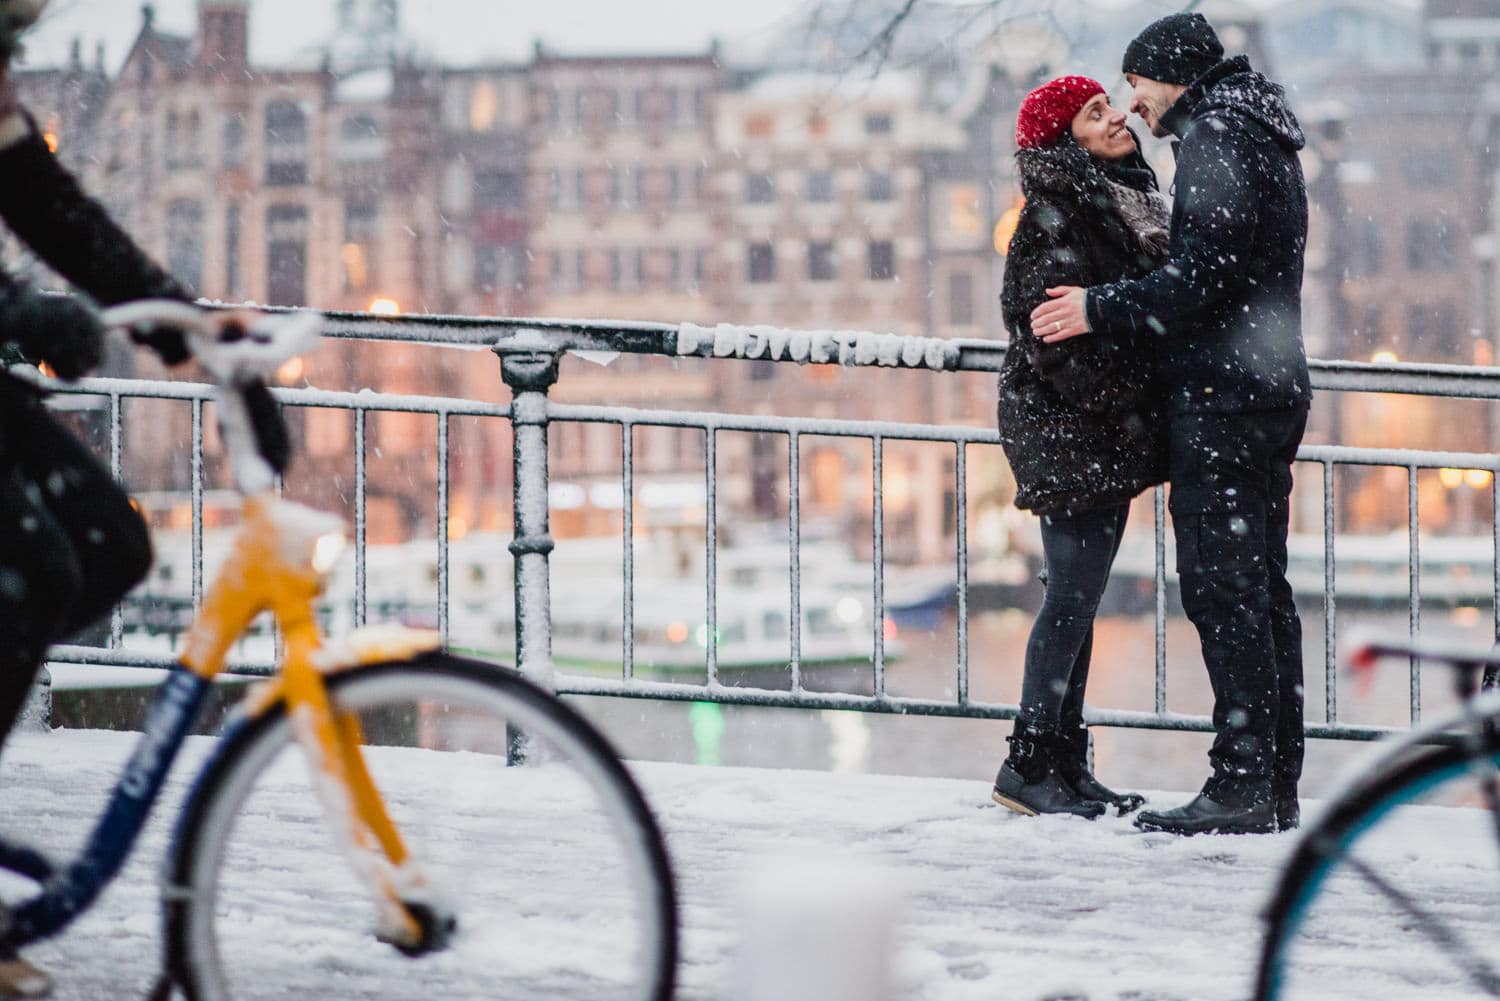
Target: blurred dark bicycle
[(1345, 894)]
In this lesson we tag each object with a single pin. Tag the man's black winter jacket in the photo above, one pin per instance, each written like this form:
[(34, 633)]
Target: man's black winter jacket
[(1227, 305)]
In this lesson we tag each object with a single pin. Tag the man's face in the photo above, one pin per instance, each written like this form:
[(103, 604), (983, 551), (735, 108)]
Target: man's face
[(1150, 99)]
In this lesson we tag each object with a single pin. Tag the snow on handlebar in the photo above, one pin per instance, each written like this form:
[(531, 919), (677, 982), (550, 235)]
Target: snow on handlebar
[(233, 349), (242, 349)]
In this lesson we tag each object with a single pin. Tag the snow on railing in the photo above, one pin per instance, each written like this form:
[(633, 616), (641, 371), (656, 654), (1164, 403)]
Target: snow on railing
[(529, 348)]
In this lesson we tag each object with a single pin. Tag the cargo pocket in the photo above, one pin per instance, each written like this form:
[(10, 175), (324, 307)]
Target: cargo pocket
[(1216, 531)]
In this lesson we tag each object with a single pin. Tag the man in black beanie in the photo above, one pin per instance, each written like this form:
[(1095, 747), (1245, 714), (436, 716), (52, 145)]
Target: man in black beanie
[(1227, 311)]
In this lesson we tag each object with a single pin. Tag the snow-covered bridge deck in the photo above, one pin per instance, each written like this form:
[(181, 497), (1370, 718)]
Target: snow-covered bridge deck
[(998, 906)]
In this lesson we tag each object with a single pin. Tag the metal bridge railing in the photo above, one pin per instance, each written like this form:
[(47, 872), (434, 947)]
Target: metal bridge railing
[(529, 352)]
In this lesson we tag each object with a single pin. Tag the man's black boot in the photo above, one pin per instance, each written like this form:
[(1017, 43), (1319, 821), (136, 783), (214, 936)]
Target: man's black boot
[(1288, 810), (1242, 807), (1029, 782), (1073, 766)]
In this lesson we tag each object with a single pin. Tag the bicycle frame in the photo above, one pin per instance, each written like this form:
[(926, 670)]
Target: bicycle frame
[(278, 563), (268, 569)]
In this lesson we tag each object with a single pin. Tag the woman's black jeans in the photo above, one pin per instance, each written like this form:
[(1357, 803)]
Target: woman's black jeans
[(1080, 547)]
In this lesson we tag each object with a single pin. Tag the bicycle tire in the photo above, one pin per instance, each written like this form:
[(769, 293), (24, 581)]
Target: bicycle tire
[(209, 818), (1327, 842)]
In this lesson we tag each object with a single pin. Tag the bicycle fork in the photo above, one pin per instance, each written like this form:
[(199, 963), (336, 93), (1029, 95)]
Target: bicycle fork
[(407, 916)]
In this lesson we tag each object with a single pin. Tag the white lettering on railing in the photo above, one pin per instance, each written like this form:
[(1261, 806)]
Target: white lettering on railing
[(818, 347)]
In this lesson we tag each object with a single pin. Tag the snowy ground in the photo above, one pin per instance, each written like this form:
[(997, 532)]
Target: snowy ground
[(996, 905)]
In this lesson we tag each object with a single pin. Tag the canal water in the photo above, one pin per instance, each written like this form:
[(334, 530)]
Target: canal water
[(1122, 677)]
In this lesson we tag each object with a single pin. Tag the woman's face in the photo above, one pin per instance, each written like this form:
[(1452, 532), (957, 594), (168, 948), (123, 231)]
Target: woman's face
[(1101, 130)]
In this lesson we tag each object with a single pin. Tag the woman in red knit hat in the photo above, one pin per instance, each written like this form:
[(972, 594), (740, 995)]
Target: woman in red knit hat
[(1081, 421)]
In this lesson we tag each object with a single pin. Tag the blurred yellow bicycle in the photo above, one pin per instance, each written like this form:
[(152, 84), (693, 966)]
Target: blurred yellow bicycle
[(448, 870)]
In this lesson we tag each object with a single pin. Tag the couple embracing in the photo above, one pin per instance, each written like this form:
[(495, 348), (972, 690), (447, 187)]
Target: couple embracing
[(1151, 343)]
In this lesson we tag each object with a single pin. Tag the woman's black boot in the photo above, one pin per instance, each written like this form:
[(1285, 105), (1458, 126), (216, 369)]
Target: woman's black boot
[(1029, 782), (1073, 766)]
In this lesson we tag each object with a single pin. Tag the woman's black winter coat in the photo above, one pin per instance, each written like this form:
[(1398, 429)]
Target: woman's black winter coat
[(1081, 422)]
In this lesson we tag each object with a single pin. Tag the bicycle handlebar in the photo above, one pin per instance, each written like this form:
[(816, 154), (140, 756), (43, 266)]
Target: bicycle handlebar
[(1367, 655), (236, 346), (242, 350)]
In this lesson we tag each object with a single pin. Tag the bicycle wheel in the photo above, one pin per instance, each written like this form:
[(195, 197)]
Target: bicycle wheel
[(555, 870), (1374, 904)]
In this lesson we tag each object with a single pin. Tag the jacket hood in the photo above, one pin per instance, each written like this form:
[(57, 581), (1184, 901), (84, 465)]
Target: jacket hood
[(1233, 87), (1066, 168)]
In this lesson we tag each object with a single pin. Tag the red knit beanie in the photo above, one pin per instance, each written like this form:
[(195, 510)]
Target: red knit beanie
[(1049, 110)]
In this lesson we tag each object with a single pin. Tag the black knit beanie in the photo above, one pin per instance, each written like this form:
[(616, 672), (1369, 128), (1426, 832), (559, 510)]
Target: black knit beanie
[(1178, 48)]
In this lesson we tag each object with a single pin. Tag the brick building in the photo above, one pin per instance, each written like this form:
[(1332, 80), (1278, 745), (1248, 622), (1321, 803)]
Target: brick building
[(365, 176)]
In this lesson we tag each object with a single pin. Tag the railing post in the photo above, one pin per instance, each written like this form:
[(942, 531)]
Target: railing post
[(530, 370)]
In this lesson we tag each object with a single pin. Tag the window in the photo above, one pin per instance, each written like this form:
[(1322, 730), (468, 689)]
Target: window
[(762, 262), (882, 260), (486, 267), (499, 189), (625, 267), (1445, 244), (1366, 336), (626, 186), (1431, 245), (879, 186), (693, 107), (234, 141), (1416, 245), (820, 186), (961, 299), (674, 187), (172, 138), (361, 238), (760, 189), (185, 242), (822, 266), (484, 107), (700, 269), (360, 139), (182, 139), (879, 125), (286, 144), (1364, 250), (1445, 344), (286, 255), (232, 287), (557, 273)]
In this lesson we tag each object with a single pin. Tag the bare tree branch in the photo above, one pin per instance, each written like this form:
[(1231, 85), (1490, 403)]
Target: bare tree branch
[(883, 41)]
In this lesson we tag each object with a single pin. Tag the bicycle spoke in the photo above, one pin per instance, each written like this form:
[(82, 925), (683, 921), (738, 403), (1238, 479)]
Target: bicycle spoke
[(1475, 967)]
